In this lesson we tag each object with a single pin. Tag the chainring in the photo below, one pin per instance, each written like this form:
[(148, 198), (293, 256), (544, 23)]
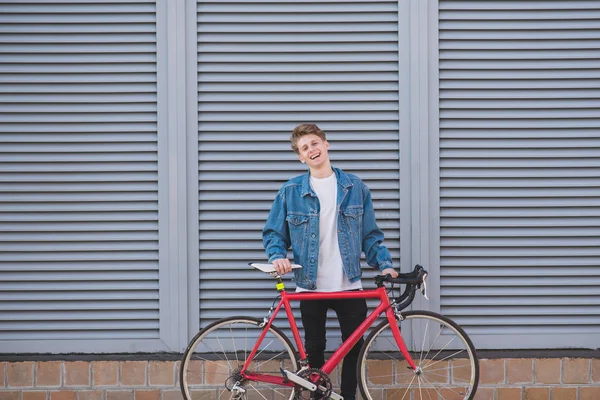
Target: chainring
[(319, 378)]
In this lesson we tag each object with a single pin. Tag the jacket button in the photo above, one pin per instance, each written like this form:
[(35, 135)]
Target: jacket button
[(314, 236), (312, 260), (315, 211)]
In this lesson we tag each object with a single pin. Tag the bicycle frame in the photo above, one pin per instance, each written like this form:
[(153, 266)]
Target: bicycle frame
[(383, 307)]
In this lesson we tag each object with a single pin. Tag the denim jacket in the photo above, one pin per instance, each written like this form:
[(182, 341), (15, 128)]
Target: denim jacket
[(294, 221)]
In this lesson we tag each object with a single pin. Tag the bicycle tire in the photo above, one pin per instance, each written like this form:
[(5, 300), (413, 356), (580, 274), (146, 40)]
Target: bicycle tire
[(214, 356), (449, 367)]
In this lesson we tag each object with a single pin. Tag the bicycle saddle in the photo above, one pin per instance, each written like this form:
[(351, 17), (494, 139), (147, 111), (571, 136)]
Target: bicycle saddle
[(269, 267)]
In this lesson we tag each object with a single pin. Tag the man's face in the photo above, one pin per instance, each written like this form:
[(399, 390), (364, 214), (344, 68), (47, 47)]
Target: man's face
[(313, 151)]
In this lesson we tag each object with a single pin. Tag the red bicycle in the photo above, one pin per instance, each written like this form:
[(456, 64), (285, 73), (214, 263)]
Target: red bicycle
[(410, 355)]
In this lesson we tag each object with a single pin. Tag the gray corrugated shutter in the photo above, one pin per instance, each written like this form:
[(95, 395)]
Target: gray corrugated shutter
[(78, 174), (520, 188), (263, 68)]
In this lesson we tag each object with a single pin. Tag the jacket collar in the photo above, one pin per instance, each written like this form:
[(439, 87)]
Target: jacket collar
[(342, 179)]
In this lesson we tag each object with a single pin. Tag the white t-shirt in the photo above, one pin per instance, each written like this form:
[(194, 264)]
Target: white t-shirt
[(330, 274)]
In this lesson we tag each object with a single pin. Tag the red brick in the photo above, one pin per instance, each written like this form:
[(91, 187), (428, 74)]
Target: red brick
[(484, 394), (171, 395), (62, 395), (589, 393), (380, 372), (90, 395), (547, 370), (491, 371), (519, 370), (3, 374), (105, 373), (34, 395), (133, 373), (20, 374), (195, 372), (596, 370), (147, 394), (9, 395), (559, 393), (161, 373), (576, 370), (505, 393), (48, 373), (533, 393), (77, 373), (207, 394), (119, 395)]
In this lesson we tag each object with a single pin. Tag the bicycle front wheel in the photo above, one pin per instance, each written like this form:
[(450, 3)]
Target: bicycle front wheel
[(447, 364), (211, 364)]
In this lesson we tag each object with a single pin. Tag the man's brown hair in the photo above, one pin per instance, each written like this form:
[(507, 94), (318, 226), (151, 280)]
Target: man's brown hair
[(303, 130)]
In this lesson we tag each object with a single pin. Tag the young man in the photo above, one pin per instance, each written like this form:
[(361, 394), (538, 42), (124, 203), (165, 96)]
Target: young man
[(327, 217)]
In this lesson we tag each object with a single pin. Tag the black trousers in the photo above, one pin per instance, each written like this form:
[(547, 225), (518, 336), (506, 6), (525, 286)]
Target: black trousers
[(350, 313)]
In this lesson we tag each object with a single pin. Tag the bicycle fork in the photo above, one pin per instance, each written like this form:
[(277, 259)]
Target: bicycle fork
[(393, 317)]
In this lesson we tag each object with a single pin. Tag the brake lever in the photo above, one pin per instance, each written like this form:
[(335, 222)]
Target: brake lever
[(423, 287)]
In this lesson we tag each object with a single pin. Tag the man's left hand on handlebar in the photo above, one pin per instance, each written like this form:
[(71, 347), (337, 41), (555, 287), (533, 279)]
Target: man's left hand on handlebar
[(390, 271)]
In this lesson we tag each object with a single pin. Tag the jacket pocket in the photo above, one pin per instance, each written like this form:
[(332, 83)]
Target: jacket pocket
[(353, 220), (298, 226)]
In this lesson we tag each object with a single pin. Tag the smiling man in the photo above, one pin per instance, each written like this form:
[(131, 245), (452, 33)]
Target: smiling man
[(326, 216)]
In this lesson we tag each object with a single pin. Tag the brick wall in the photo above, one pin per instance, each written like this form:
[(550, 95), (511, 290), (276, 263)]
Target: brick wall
[(501, 379), (95, 380)]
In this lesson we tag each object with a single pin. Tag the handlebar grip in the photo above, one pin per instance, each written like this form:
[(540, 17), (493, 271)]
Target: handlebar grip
[(415, 277)]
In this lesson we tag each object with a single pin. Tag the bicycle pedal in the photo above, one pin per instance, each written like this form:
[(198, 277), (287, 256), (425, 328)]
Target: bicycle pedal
[(335, 396)]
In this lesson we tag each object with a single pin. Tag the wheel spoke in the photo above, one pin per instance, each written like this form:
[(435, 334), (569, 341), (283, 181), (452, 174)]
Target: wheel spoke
[(446, 361), (216, 356)]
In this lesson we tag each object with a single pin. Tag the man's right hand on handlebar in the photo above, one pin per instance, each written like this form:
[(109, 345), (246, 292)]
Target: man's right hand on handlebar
[(282, 266)]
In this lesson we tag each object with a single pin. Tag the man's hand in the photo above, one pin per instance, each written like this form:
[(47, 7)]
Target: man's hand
[(390, 271), (282, 266)]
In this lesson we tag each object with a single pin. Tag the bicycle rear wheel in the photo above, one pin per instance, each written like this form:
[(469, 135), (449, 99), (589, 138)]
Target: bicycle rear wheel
[(447, 362), (212, 361)]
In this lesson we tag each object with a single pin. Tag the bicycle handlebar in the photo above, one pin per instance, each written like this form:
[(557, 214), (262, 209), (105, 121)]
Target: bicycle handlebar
[(416, 279)]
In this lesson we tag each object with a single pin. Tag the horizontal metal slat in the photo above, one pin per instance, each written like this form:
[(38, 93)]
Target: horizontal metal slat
[(148, 17), (296, 47), (518, 25), (78, 78), (539, 14), (293, 38), (311, 86), (260, 7), (275, 27), (531, 292), (64, 305), (31, 247), (539, 301), (307, 57), (120, 324), (518, 45), (308, 116), (516, 5), (517, 64), (294, 77), (294, 17), (93, 276)]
